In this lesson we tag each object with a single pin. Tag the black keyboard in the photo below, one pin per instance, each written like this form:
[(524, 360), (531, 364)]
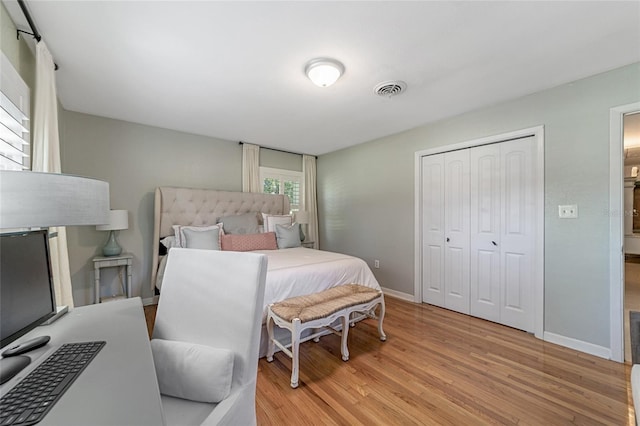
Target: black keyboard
[(32, 398)]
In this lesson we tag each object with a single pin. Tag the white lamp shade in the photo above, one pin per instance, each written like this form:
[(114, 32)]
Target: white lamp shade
[(324, 72), (34, 199), (302, 217), (118, 219)]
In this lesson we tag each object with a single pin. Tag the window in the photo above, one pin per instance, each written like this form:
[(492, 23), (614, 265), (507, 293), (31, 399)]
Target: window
[(287, 182), (14, 118)]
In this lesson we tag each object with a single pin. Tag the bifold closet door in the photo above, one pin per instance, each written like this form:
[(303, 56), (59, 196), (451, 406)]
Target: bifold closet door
[(445, 230), (485, 232), (518, 232), (433, 229), (503, 232), (456, 230)]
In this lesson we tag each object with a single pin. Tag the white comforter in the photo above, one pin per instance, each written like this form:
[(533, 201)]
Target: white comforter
[(300, 271)]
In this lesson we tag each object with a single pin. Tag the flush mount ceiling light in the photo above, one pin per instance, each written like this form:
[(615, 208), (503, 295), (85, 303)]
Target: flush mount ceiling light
[(324, 72)]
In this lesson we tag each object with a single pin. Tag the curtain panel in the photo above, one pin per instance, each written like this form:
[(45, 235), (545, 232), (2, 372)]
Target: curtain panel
[(310, 197), (46, 158), (251, 168)]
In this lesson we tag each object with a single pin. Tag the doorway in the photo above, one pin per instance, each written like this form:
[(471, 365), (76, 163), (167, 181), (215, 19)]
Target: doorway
[(631, 195), (616, 229)]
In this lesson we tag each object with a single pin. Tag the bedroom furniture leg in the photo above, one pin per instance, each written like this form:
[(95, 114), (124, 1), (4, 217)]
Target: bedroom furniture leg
[(295, 352), (319, 311), (270, 345), (383, 336), (345, 333)]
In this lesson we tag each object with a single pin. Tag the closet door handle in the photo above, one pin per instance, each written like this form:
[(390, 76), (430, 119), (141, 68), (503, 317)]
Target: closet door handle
[(494, 243), (447, 239)]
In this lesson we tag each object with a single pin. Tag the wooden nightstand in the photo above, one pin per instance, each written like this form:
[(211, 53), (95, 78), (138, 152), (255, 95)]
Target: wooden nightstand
[(99, 262)]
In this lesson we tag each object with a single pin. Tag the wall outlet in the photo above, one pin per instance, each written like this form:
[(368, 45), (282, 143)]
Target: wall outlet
[(376, 264), (568, 211)]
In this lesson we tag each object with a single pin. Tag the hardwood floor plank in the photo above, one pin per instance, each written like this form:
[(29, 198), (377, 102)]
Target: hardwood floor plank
[(439, 367)]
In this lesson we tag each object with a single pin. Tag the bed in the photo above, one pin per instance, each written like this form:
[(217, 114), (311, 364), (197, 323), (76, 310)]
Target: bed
[(291, 271)]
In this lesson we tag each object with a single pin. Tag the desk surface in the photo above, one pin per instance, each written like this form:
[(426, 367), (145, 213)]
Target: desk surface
[(119, 387)]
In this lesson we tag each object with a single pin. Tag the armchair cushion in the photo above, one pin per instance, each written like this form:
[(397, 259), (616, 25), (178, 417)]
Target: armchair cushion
[(191, 371)]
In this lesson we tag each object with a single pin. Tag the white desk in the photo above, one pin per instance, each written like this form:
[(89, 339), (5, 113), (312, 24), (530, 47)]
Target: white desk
[(119, 387)]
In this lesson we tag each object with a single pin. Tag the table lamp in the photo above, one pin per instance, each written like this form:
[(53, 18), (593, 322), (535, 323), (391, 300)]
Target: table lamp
[(302, 217), (118, 220)]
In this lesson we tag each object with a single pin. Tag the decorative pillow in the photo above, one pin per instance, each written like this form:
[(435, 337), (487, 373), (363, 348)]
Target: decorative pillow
[(264, 241), (246, 223), (271, 220), (190, 371), (288, 236), (207, 240), (178, 230)]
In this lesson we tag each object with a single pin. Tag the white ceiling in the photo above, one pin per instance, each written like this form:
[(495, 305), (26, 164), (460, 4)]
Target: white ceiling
[(235, 70)]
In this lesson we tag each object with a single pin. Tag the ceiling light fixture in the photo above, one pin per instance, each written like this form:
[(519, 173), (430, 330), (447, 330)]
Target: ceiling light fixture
[(324, 72)]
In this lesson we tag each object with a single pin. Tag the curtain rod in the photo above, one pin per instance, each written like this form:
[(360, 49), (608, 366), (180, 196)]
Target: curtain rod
[(280, 150), (32, 25)]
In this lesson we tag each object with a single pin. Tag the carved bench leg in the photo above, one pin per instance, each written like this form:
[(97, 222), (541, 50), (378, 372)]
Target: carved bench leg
[(270, 344), (383, 336), (295, 352), (345, 334)]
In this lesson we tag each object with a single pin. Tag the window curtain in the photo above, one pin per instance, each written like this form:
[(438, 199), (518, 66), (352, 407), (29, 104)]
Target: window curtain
[(251, 168), (46, 158), (310, 198)]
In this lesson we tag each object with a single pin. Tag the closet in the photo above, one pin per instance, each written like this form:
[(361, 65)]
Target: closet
[(478, 224)]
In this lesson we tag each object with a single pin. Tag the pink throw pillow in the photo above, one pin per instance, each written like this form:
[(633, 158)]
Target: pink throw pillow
[(248, 242)]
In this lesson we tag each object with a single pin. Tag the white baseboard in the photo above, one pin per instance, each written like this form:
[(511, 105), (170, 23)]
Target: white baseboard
[(578, 345), (398, 294)]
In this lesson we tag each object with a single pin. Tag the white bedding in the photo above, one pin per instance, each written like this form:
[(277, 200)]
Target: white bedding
[(300, 271)]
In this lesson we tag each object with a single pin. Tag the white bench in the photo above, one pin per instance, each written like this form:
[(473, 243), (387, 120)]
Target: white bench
[(319, 311)]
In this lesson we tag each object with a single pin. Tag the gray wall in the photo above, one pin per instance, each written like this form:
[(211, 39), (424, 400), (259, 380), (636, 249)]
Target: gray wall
[(366, 194), (135, 159), (17, 51)]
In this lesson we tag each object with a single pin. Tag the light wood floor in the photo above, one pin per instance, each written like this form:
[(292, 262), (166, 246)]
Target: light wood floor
[(441, 367)]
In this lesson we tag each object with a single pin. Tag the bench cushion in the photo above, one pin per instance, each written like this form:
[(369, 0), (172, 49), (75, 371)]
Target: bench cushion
[(319, 305)]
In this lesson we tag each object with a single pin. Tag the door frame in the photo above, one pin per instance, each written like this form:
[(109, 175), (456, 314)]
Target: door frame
[(537, 133), (616, 229)]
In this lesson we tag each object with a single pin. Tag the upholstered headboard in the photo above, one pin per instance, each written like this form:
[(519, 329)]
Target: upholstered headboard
[(200, 207)]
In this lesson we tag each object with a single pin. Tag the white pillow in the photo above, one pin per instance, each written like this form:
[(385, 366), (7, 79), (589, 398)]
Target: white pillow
[(180, 236), (271, 220), (190, 371), (206, 240)]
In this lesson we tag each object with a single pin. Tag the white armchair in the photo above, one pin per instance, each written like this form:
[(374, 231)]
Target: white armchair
[(210, 299)]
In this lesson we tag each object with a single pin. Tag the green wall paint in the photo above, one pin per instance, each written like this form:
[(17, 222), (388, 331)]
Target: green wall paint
[(135, 159), (366, 194)]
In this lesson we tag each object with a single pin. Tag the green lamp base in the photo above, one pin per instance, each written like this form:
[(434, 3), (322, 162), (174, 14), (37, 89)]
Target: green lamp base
[(112, 248)]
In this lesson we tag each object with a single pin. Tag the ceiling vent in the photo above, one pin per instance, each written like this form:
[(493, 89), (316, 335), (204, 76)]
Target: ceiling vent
[(390, 88)]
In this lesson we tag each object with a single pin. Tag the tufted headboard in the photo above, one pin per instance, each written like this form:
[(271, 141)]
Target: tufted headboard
[(200, 207)]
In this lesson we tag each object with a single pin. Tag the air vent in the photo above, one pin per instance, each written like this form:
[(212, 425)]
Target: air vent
[(390, 88)]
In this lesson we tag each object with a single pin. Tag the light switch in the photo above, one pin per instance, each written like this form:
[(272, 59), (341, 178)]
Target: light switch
[(569, 211)]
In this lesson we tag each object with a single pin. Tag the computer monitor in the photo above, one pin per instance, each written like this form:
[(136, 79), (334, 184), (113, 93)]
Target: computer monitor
[(27, 296)]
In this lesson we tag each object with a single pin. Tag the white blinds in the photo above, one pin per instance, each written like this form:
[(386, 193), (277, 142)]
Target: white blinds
[(14, 119)]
